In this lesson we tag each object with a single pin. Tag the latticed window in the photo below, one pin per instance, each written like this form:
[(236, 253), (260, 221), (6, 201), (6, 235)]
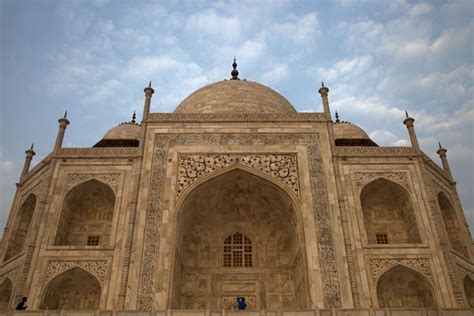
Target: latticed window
[(93, 240), (237, 251), (381, 238)]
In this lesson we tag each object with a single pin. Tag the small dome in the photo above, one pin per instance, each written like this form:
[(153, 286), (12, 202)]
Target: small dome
[(347, 134), (230, 96), (123, 131), (123, 135)]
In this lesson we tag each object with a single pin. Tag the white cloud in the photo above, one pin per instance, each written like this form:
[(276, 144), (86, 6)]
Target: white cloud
[(383, 137), (106, 26), (420, 9), (276, 74), (413, 49), (210, 22), (6, 166), (301, 30), (100, 3), (452, 39), (147, 66)]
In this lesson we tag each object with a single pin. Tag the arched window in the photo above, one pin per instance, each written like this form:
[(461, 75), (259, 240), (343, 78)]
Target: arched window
[(5, 294), (73, 289), (403, 287), (86, 216), (388, 213), (237, 251), (450, 222), (469, 290), (17, 240)]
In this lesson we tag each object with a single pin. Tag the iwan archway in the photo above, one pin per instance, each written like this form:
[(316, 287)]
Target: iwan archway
[(239, 234)]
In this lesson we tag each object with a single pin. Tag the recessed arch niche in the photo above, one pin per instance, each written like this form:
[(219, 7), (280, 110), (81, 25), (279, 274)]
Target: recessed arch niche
[(468, 284), (72, 289), (388, 213), (5, 294), (17, 240), (239, 203), (451, 224), (86, 213), (403, 287)]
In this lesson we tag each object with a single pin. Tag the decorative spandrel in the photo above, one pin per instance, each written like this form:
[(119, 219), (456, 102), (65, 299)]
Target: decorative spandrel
[(195, 166)]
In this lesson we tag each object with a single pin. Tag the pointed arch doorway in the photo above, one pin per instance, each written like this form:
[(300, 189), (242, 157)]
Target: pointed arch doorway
[(239, 234)]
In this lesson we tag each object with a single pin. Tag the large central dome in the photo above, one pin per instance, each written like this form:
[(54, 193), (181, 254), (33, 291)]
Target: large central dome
[(230, 96)]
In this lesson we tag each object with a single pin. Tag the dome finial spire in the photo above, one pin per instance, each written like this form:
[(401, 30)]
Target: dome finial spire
[(134, 116), (235, 72), (337, 117)]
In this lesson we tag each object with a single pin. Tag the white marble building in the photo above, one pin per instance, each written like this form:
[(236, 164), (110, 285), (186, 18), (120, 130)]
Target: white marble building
[(236, 193)]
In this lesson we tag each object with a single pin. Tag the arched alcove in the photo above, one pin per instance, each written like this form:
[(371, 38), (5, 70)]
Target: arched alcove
[(73, 289), (86, 216), (232, 210), (5, 294), (451, 224), (388, 213), (403, 287), (469, 290), (16, 244)]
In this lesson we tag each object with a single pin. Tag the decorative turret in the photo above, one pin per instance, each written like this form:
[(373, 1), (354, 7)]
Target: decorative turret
[(444, 160), (323, 91), (411, 131), (29, 156), (148, 94), (63, 123)]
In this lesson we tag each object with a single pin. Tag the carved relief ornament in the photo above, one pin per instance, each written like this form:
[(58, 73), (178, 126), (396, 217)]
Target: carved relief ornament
[(380, 266), (195, 166), (362, 178), (112, 179), (98, 268)]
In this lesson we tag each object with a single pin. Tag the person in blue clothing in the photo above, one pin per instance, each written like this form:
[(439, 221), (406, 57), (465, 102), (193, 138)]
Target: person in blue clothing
[(241, 303)]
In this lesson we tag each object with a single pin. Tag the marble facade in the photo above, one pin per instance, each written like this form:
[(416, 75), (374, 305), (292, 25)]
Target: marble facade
[(190, 209)]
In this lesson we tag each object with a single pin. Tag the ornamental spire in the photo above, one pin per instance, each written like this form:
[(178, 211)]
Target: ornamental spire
[(234, 72), (337, 117)]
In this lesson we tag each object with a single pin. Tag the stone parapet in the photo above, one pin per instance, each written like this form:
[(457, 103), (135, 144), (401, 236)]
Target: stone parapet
[(113, 152), (236, 117), (355, 151)]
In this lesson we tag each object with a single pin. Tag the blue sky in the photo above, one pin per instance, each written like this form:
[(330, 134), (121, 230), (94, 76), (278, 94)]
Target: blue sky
[(93, 58)]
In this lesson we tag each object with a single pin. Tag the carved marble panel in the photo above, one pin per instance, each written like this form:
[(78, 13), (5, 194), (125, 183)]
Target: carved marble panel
[(112, 179), (100, 151), (375, 151), (98, 268), (194, 166), (362, 178), (380, 266)]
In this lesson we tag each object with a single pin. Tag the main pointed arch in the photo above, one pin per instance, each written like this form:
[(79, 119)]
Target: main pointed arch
[(5, 294), (403, 287), (20, 228), (72, 289), (241, 201), (388, 212), (86, 215)]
